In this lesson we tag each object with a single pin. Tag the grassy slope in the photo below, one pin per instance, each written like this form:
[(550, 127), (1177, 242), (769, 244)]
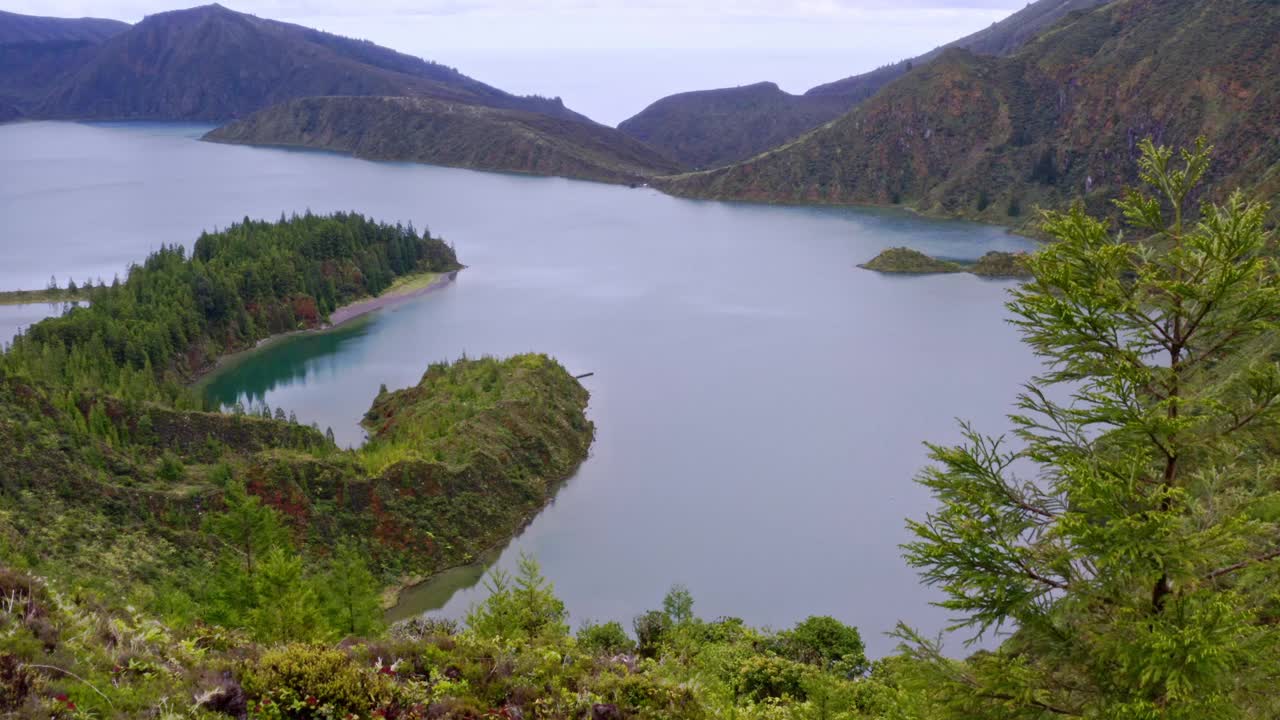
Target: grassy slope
[(212, 63), (715, 127), (712, 128), (30, 29), (450, 133), (991, 138), (37, 52), (478, 447), (89, 655)]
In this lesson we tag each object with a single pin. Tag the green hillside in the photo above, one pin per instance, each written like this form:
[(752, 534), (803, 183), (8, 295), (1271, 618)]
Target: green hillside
[(711, 128), (211, 63), (993, 138), (450, 133)]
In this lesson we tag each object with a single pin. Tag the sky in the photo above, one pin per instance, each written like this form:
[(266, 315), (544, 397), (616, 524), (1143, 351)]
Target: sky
[(611, 58)]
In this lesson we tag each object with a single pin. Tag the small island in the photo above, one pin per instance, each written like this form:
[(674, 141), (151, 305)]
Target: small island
[(905, 261), (909, 262)]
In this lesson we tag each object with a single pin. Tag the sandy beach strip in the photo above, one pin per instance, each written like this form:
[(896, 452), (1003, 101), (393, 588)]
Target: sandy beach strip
[(413, 287)]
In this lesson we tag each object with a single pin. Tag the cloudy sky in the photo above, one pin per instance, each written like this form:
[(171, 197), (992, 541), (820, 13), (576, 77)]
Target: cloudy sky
[(610, 58)]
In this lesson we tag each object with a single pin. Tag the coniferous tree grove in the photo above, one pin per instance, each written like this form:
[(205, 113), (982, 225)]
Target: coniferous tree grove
[(174, 315)]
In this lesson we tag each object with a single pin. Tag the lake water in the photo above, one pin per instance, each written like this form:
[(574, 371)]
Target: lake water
[(760, 402)]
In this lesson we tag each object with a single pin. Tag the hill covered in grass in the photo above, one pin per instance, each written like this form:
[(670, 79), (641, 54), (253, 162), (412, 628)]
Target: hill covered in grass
[(710, 128), (993, 138), (212, 63), (451, 133), (36, 52), (18, 29)]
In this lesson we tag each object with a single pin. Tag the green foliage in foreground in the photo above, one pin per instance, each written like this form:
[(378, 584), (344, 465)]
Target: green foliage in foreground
[(1138, 563), (1136, 569), (81, 656)]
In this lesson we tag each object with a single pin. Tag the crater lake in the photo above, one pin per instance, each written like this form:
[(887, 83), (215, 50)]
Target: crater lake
[(760, 402)]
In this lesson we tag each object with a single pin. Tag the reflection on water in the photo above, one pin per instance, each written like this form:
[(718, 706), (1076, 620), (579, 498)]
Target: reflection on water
[(435, 593), (250, 377), (15, 319)]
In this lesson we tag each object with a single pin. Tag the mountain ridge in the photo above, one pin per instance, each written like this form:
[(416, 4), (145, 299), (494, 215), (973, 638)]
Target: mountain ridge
[(210, 63), (35, 52), (17, 28), (991, 138), (701, 130)]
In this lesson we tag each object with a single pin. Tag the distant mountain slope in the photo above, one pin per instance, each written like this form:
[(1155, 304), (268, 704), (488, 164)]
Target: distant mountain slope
[(992, 138), (15, 28), (211, 63), (450, 133), (1001, 38), (35, 52), (710, 128)]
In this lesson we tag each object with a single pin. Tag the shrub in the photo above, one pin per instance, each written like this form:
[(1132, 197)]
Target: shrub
[(326, 674), (641, 696), (171, 468), (605, 639), (651, 628), (826, 642), (765, 677)]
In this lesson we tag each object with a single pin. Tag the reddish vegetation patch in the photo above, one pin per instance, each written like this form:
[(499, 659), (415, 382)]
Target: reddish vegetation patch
[(289, 500), (305, 310)]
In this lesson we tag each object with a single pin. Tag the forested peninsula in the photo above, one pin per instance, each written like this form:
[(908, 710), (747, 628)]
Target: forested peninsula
[(117, 478)]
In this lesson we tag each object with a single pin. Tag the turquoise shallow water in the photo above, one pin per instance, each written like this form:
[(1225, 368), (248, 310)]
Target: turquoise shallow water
[(760, 402)]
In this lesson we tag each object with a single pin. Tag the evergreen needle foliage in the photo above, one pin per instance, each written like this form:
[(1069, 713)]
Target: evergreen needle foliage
[(1137, 566)]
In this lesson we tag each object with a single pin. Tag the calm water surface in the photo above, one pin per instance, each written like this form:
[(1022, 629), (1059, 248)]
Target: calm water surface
[(760, 402)]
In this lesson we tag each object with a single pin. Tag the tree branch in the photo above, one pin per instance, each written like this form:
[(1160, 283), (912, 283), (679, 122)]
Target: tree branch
[(1243, 564)]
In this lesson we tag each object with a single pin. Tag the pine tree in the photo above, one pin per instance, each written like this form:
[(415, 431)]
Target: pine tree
[(351, 593), (1138, 565), (289, 610), (248, 527), (523, 609)]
